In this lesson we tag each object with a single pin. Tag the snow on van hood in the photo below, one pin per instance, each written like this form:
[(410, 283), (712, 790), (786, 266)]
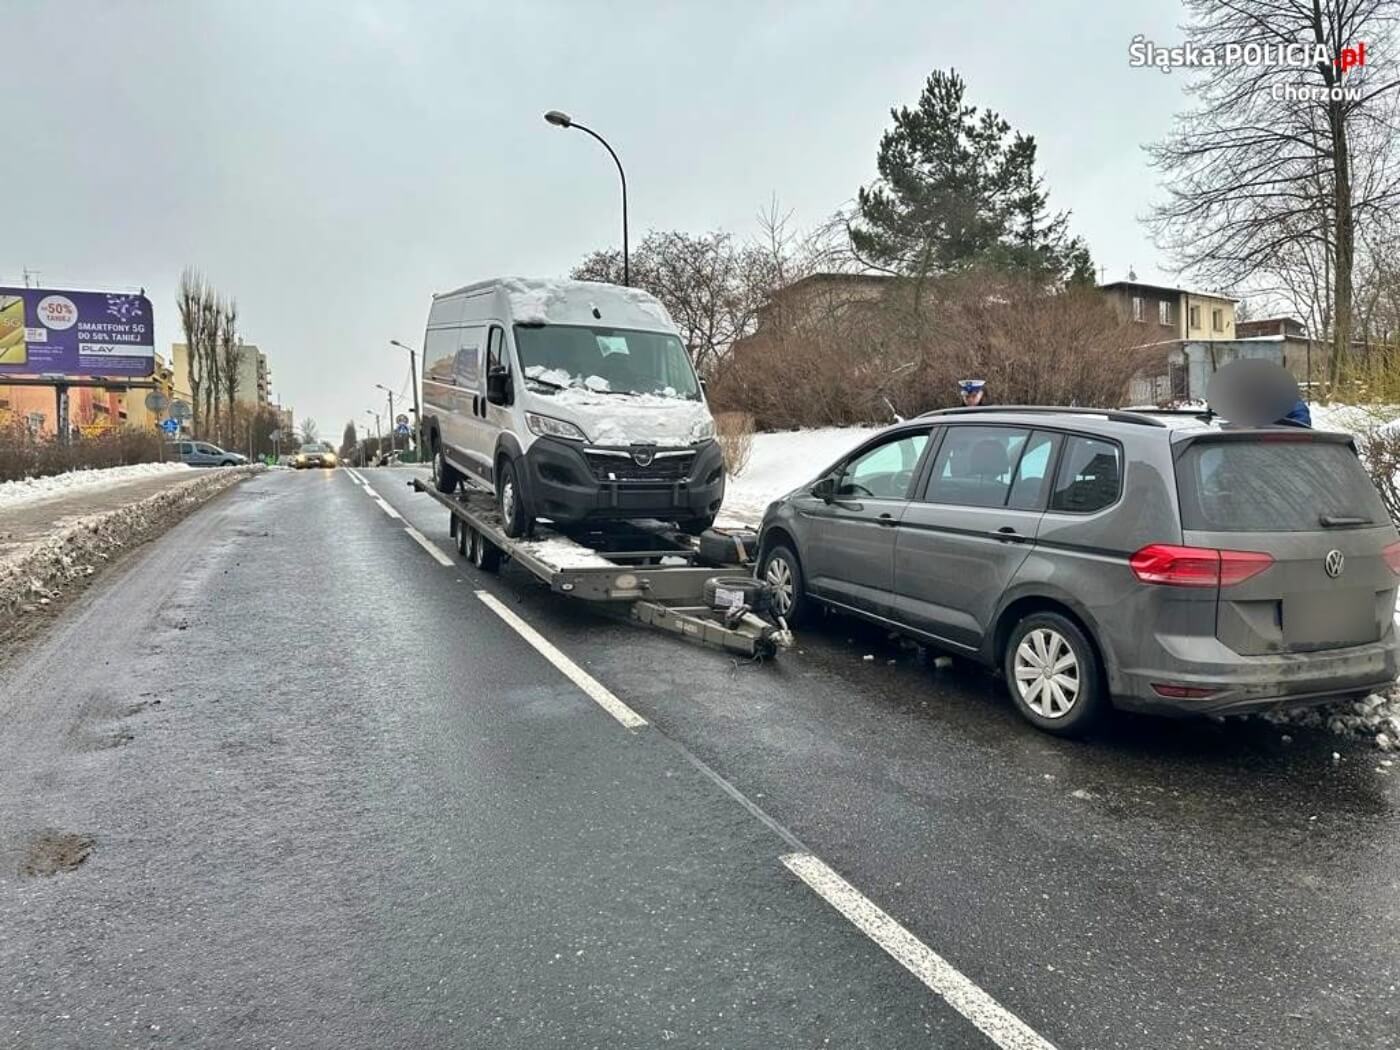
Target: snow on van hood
[(543, 300), (630, 419)]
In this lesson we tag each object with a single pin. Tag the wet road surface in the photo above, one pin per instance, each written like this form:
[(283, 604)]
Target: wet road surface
[(331, 798)]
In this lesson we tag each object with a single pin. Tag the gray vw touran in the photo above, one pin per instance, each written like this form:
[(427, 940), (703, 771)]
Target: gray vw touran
[(1104, 558)]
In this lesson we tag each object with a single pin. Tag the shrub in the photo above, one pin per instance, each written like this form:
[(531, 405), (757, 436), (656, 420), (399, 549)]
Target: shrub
[(25, 456), (735, 433)]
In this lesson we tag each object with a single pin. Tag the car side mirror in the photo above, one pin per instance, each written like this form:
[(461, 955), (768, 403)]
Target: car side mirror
[(498, 390), (825, 489)]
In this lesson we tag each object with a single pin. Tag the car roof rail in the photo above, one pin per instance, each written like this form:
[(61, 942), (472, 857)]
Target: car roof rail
[(1117, 415)]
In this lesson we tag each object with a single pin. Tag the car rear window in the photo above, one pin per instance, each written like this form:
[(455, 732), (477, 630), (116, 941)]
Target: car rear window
[(1272, 486)]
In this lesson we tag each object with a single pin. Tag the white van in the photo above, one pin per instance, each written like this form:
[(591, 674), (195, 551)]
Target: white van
[(572, 401)]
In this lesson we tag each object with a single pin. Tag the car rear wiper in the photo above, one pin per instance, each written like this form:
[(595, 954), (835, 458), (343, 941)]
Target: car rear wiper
[(1340, 521)]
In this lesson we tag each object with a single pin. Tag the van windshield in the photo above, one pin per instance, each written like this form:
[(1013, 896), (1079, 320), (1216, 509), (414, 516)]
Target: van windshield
[(605, 361)]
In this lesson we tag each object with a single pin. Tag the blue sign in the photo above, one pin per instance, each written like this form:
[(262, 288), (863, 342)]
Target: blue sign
[(402, 429), (170, 426)]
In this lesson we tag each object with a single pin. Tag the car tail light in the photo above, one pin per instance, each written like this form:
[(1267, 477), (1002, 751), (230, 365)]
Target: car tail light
[(1196, 566), (1392, 557), (1183, 692)]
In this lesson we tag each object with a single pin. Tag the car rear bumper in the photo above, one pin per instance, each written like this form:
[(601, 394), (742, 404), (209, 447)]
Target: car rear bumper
[(563, 487), (1261, 683)]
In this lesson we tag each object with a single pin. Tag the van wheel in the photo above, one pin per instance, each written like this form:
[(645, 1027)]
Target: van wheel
[(445, 476), (782, 573), (510, 501), (1054, 675)]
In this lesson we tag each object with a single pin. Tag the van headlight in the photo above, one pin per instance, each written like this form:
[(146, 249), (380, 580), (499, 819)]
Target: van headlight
[(705, 430), (548, 426)]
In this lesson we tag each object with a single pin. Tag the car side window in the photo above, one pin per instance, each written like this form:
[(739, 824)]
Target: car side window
[(883, 472), (208, 450), (496, 351), (1090, 476), (467, 365), (1033, 472), (186, 448), (974, 466)]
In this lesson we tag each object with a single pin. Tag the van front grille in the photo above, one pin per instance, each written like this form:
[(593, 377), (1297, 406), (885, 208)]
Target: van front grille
[(611, 467)]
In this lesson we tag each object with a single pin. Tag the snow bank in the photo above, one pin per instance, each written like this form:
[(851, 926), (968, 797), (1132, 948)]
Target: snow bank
[(1377, 717), (32, 490), (782, 461), (34, 575)]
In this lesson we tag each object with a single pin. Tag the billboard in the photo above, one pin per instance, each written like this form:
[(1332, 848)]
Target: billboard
[(75, 334)]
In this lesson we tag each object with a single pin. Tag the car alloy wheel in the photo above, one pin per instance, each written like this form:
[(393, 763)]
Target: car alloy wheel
[(779, 579), (1047, 673)]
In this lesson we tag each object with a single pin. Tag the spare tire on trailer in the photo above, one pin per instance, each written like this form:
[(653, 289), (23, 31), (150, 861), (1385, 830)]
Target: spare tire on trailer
[(721, 591), (728, 546)]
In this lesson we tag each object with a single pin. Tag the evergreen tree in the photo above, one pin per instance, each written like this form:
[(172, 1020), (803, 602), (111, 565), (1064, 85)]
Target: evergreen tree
[(957, 189), (348, 440)]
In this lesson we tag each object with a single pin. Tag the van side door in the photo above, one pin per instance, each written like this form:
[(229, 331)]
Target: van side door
[(962, 538), (493, 416)]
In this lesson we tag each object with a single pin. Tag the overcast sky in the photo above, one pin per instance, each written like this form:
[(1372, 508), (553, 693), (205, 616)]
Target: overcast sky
[(331, 164)]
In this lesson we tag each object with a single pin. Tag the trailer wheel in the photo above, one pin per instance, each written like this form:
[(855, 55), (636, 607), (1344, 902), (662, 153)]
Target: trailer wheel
[(464, 531), (515, 519), (485, 555)]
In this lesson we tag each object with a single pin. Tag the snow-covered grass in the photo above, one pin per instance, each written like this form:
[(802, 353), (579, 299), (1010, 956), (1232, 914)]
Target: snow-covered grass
[(32, 490), (779, 463)]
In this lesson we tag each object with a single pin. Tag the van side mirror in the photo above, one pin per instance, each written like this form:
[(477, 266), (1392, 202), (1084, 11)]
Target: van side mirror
[(825, 489), (498, 388)]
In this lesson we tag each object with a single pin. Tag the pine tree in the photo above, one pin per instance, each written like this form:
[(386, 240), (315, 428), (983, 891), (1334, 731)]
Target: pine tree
[(957, 189), (348, 440)]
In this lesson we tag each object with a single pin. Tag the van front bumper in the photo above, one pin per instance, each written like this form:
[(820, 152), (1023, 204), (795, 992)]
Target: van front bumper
[(1260, 683), (568, 482)]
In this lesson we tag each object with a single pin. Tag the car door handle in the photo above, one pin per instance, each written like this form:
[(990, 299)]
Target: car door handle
[(887, 520), (1006, 534)]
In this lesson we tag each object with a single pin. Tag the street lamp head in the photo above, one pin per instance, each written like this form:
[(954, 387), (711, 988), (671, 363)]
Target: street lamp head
[(559, 120)]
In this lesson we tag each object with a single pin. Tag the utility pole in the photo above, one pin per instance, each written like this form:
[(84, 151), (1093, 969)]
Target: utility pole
[(417, 408), (393, 438)]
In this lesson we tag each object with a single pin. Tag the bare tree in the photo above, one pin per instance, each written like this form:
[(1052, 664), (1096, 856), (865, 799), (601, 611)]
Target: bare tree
[(309, 431), (230, 353), (190, 299), (212, 313), (1279, 165), (707, 283)]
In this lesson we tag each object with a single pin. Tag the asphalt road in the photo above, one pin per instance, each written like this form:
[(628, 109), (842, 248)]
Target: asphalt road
[(327, 796)]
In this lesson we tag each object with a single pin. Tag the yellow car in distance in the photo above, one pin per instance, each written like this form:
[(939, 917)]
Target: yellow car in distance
[(314, 455)]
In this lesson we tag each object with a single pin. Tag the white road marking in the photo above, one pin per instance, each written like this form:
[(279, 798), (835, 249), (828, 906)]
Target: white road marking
[(382, 505), (997, 1023), (428, 545), (355, 477), (576, 674)]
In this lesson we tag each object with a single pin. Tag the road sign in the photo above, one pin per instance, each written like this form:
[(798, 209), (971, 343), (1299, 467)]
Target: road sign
[(402, 429), (401, 420), (276, 435), (180, 410), (156, 401), (170, 426)]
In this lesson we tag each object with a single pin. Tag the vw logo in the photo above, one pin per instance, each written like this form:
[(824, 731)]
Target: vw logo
[(1334, 563), (642, 455)]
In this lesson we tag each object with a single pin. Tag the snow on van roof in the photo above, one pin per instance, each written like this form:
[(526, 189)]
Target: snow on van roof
[(548, 300)]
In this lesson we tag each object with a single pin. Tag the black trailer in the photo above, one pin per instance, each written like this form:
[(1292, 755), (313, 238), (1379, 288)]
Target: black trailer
[(651, 568)]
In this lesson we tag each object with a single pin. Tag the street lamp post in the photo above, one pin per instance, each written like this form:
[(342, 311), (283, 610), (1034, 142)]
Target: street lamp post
[(378, 436), (393, 434), (417, 409), (563, 120)]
